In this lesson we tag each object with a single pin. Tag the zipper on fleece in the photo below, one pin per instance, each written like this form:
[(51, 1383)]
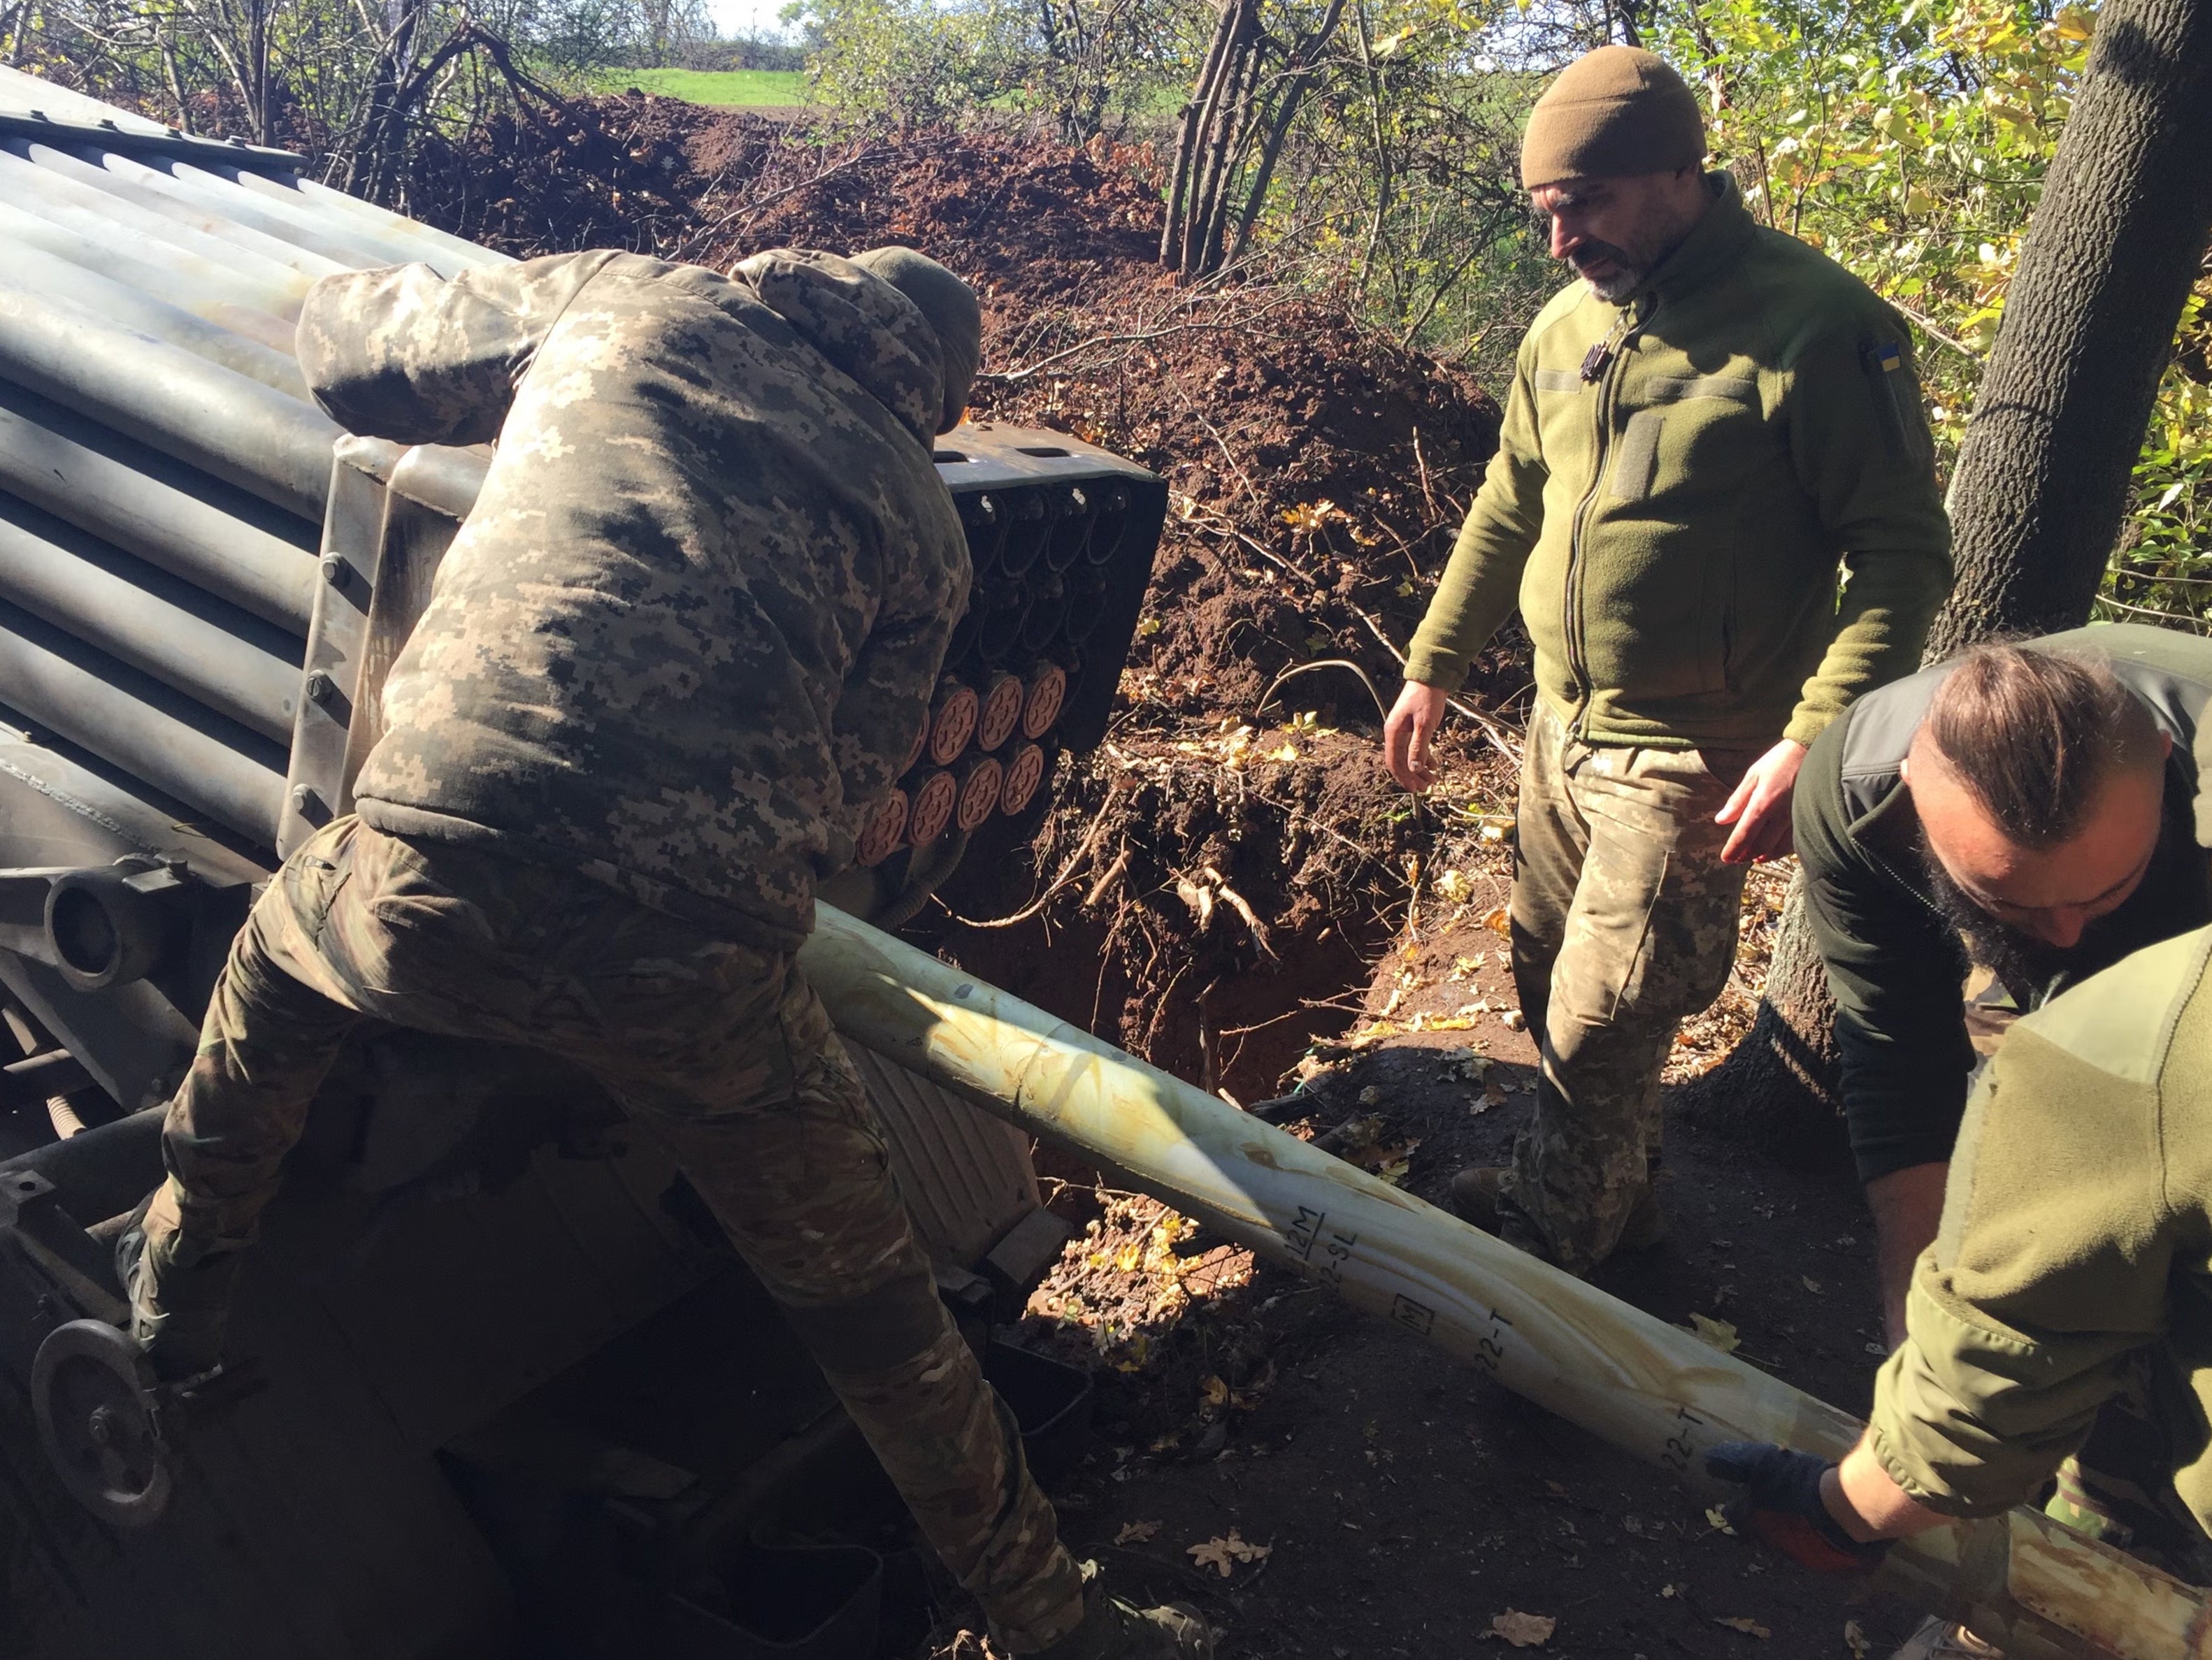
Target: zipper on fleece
[(1606, 358)]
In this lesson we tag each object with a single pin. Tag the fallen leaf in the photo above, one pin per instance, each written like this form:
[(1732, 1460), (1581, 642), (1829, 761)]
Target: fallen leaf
[(1225, 1553), (1682, 1590), (1742, 1623), (1719, 1520), (1857, 1641), (1813, 1285), (1523, 1631), (1213, 1391), (1498, 921), (1719, 1333), (1513, 1019), (1468, 1063), (1135, 1533)]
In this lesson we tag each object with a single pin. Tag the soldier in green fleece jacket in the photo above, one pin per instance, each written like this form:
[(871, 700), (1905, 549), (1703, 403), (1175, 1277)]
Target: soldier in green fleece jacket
[(2061, 1324), (1714, 501)]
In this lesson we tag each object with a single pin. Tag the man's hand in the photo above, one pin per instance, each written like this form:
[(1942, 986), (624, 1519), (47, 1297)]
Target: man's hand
[(1908, 1207), (1760, 809), (1407, 732), (1783, 1504)]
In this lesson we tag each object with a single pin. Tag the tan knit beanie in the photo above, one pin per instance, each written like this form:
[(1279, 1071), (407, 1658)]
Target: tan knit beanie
[(1618, 111)]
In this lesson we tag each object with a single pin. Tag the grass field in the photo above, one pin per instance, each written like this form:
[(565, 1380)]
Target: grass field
[(733, 89)]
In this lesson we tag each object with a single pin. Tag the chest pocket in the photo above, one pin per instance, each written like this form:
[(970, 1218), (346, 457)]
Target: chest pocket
[(1718, 398), (1563, 401)]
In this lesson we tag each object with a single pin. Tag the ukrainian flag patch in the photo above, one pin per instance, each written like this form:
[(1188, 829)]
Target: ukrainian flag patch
[(1890, 358)]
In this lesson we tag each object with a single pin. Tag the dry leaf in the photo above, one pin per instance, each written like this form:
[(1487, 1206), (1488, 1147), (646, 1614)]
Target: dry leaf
[(1213, 1393), (1135, 1533), (1813, 1285), (1719, 1521), (1225, 1554), (1498, 921), (1857, 1641), (1742, 1623), (1719, 1333), (1523, 1631)]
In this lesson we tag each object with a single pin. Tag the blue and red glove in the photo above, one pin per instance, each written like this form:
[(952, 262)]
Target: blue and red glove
[(1781, 1503)]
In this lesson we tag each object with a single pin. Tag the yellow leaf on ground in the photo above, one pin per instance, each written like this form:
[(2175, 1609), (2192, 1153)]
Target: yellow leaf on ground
[(1225, 1553), (1719, 1333), (1717, 1520), (1498, 921), (1135, 1533), (1742, 1623), (1857, 1641), (1523, 1631)]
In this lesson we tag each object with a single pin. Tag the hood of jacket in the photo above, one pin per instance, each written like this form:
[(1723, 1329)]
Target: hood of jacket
[(864, 327)]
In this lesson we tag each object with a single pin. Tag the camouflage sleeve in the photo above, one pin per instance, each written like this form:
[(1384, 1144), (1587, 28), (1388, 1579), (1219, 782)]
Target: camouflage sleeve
[(405, 355)]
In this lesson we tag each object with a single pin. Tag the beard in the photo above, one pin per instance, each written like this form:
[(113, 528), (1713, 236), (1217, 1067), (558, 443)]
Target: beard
[(1628, 272), (2024, 965)]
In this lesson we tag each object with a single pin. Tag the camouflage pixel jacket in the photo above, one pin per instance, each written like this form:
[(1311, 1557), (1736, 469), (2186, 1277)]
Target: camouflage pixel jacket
[(690, 630)]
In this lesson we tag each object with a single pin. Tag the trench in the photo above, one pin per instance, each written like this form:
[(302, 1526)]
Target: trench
[(1216, 921)]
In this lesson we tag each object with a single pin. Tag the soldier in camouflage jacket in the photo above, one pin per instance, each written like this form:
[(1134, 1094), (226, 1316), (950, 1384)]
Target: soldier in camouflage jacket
[(691, 627), (683, 643)]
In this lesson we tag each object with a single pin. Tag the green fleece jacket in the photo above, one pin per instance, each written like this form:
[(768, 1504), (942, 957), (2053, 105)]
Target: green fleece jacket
[(1673, 526), (2075, 1247)]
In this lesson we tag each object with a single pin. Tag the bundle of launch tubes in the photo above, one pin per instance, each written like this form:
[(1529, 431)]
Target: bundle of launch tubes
[(2021, 1581)]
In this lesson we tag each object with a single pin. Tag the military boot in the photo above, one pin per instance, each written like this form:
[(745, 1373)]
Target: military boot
[(1113, 1629), (1477, 1196)]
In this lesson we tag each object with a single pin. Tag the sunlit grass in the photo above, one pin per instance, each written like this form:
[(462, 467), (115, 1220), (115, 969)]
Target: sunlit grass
[(730, 89)]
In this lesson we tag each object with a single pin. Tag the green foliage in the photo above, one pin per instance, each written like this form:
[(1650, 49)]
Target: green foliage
[(1085, 64), (1406, 174), (1910, 139)]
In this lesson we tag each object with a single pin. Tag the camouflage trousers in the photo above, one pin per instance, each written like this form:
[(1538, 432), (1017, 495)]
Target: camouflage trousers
[(721, 1049), (1624, 924)]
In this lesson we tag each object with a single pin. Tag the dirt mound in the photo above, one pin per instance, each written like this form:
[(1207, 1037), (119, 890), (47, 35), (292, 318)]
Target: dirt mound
[(590, 172), (1318, 469)]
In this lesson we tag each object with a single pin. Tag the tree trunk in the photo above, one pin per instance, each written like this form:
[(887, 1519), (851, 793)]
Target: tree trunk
[(1306, 59), (1192, 131), (2042, 481), (2043, 477)]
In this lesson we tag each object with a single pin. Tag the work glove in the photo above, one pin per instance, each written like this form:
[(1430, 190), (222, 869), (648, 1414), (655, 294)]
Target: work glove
[(1781, 1503), (178, 1313)]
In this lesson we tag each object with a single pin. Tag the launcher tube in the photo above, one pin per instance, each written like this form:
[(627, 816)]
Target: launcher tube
[(1654, 1391)]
